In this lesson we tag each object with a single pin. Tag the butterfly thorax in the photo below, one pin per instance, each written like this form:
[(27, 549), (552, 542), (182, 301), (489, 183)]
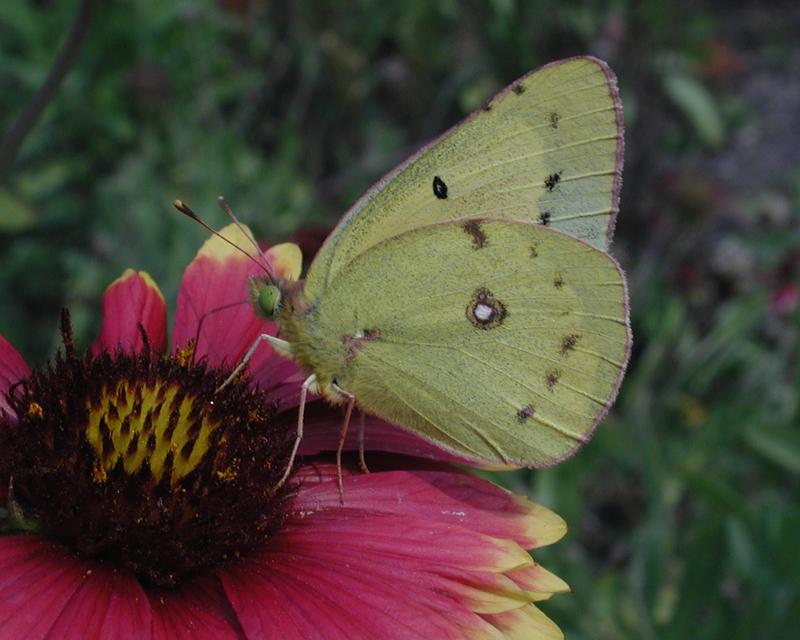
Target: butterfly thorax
[(311, 347)]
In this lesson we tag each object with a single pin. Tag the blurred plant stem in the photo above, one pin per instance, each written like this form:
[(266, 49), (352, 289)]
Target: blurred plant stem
[(19, 129)]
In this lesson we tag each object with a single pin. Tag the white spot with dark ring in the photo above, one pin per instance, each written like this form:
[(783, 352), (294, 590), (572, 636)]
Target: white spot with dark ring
[(483, 312)]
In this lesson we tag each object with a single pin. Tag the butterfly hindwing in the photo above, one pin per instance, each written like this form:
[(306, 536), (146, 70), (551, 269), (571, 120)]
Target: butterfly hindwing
[(548, 150), (504, 341)]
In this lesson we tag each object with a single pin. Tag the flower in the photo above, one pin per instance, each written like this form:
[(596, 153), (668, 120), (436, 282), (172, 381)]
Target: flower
[(150, 507)]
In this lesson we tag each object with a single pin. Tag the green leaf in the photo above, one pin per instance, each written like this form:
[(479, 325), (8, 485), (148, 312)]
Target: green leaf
[(698, 105), (780, 446), (15, 215)]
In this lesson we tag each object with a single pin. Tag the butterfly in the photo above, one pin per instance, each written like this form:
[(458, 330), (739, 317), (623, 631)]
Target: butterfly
[(468, 296)]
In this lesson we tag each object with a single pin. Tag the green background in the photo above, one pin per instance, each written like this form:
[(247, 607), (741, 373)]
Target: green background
[(683, 512)]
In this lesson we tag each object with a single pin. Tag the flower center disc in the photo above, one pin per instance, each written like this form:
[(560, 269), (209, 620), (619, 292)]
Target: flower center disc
[(139, 460)]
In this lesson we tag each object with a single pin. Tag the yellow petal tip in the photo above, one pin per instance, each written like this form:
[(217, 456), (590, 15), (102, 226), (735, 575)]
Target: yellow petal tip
[(287, 260)]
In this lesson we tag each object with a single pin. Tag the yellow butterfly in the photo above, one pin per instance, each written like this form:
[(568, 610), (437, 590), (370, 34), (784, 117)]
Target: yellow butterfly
[(467, 296)]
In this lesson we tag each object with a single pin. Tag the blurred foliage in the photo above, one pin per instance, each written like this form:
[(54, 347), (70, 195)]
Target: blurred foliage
[(682, 511)]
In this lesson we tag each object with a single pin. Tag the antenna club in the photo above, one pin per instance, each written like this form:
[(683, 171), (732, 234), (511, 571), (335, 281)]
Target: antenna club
[(181, 206), (264, 264)]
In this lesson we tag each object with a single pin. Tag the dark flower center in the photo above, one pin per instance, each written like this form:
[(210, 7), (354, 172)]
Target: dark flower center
[(140, 460)]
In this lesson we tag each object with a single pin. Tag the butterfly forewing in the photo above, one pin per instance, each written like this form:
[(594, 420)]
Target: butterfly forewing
[(548, 150), (503, 341)]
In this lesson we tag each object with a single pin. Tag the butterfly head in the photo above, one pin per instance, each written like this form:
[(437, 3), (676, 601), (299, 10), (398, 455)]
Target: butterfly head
[(267, 297)]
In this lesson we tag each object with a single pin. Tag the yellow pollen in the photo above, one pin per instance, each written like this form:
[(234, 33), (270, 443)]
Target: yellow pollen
[(226, 475), (99, 474), (35, 410), (141, 424), (185, 354), (230, 472)]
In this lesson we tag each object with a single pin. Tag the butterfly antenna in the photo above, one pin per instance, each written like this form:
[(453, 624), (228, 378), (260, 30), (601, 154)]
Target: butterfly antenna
[(187, 211), (206, 315), (229, 212)]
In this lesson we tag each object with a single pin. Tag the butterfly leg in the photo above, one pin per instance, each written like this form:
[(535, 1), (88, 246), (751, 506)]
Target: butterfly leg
[(362, 460), (351, 401), (281, 346), (311, 381)]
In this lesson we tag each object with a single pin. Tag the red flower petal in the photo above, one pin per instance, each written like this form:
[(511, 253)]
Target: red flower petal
[(436, 496), (409, 556), (292, 596), (12, 370), (132, 300), (198, 610), (324, 424), (109, 604), (214, 303), (37, 580), (281, 380)]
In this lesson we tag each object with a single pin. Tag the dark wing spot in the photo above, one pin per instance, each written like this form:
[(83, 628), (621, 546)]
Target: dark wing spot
[(524, 413), (544, 217), (568, 343), (354, 341), (552, 180), (473, 229), (554, 118), (484, 310), (551, 378), (558, 280), (518, 89), (439, 188)]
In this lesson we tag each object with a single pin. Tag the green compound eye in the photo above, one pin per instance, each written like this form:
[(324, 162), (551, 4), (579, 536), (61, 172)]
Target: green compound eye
[(269, 300)]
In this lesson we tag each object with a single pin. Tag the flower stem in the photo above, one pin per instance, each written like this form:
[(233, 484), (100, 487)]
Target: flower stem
[(19, 129)]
